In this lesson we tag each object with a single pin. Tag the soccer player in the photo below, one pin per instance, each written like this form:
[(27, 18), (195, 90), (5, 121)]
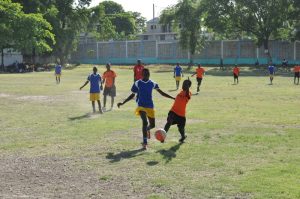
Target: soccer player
[(177, 74), (138, 71), (271, 69), (177, 113), (109, 77), (95, 81), (297, 74), (57, 73), (236, 73), (143, 88), (200, 72)]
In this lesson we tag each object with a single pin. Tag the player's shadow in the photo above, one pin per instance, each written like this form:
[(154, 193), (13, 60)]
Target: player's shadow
[(170, 153), (123, 155), (87, 115)]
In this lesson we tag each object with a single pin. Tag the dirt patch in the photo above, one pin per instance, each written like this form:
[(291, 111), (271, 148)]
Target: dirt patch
[(44, 177), (35, 98), (4, 95)]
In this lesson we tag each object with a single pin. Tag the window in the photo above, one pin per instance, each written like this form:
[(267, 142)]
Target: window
[(162, 37), (145, 37)]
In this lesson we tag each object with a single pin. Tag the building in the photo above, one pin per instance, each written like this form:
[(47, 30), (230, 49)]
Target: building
[(158, 32)]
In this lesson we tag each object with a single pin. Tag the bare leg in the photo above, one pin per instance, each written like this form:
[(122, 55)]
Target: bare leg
[(99, 105)]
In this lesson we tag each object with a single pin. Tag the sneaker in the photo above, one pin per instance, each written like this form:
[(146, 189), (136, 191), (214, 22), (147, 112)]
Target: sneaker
[(148, 134), (144, 146), (181, 140)]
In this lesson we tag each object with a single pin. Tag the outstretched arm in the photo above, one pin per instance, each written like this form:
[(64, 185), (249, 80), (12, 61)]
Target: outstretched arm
[(84, 85), (164, 94), (130, 97), (193, 74)]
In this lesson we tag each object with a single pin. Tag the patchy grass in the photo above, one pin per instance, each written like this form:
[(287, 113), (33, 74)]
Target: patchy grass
[(243, 140)]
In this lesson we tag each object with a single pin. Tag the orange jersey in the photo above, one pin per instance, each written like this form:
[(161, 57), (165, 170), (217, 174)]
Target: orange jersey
[(180, 103), (236, 70), (109, 78), (296, 69), (200, 71)]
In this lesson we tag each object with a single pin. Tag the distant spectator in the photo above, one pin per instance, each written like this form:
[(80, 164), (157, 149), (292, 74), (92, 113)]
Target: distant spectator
[(285, 63), (256, 63)]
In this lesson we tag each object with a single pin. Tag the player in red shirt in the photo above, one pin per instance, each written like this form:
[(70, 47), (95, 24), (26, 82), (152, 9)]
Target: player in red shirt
[(138, 71), (236, 73), (297, 74)]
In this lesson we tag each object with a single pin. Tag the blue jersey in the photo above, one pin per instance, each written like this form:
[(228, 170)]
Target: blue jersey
[(94, 80), (271, 69), (144, 92), (58, 69), (177, 71)]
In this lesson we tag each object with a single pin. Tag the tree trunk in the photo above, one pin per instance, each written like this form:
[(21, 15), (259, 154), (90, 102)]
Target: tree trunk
[(267, 51), (2, 59), (191, 63)]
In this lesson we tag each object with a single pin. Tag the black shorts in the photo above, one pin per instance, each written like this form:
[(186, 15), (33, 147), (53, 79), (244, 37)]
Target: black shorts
[(173, 118), (199, 80), (111, 91), (297, 74), (235, 76)]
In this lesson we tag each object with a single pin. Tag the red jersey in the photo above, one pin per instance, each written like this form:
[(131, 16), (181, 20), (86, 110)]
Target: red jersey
[(236, 70), (180, 103), (138, 72), (297, 69)]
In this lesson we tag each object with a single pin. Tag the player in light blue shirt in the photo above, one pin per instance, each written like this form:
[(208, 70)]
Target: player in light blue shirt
[(95, 86), (57, 73), (177, 74), (271, 69), (145, 107)]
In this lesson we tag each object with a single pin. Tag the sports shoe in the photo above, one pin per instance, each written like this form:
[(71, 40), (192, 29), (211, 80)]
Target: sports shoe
[(148, 134), (181, 140), (144, 146)]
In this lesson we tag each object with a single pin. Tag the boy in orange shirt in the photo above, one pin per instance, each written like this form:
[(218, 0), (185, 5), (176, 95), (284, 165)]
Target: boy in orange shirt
[(109, 77), (177, 113), (236, 73), (200, 72), (297, 74)]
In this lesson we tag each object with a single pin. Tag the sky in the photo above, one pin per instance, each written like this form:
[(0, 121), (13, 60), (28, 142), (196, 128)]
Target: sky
[(145, 7)]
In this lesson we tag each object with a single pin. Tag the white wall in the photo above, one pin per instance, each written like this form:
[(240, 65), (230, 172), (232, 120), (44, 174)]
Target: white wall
[(10, 57)]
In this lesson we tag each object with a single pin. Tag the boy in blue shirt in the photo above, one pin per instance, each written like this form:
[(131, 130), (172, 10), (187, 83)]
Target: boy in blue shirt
[(95, 86), (271, 69), (143, 88), (57, 73), (177, 74)]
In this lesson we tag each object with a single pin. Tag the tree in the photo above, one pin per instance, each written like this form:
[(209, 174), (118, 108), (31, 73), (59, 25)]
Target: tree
[(68, 18), (111, 7), (262, 19), (140, 21), (23, 31), (186, 14)]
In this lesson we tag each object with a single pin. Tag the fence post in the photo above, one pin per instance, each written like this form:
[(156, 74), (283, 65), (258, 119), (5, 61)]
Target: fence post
[(126, 49), (257, 53), (295, 50), (222, 49), (156, 49), (97, 51)]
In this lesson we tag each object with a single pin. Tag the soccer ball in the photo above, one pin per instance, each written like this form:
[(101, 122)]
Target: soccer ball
[(160, 135)]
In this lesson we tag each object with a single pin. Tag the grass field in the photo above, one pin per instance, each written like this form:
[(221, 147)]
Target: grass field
[(243, 140)]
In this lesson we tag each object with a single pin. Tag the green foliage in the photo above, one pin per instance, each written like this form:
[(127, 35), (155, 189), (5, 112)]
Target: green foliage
[(262, 19), (188, 15), (24, 32), (111, 7)]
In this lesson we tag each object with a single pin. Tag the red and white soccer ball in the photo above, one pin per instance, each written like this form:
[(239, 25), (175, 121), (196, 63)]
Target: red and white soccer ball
[(160, 135)]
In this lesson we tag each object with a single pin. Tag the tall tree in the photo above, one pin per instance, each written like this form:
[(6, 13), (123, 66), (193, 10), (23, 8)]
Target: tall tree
[(23, 31), (187, 15), (68, 18), (262, 19), (111, 7)]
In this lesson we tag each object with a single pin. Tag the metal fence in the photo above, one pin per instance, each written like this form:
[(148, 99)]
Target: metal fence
[(156, 52)]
